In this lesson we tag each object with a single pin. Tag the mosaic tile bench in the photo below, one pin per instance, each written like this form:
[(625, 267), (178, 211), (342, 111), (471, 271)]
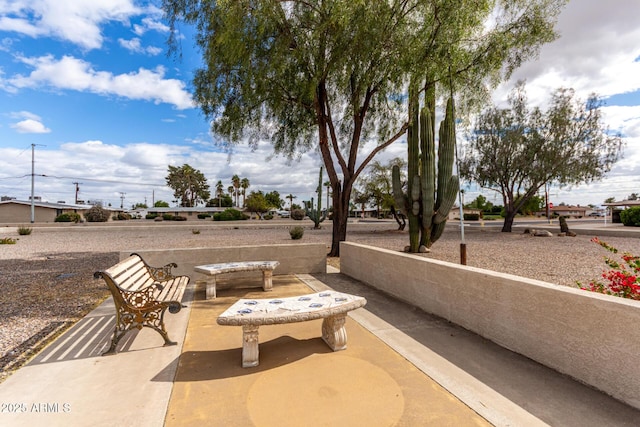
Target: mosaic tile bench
[(212, 270), (252, 313)]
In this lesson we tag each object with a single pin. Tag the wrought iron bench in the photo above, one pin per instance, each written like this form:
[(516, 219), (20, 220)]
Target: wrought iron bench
[(250, 314), (142, 294)]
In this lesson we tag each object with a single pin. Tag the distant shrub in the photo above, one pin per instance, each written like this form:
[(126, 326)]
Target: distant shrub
[(121, 216), (471, 217), (179, 218), (195, 231), (631, 216), (203, 215), (68, 217), (8, 241), (97, 214), (167, 217), (151, 216), (24, 231), (229, 215), (298, 214), (267, 216), (296, 232)]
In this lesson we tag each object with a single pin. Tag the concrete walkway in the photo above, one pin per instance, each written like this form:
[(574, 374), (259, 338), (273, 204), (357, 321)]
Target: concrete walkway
[(402, 367)]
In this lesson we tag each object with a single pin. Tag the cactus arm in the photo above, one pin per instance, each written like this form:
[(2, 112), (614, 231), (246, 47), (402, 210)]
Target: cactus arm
[(398, 195), (448, 200), (428, 167)]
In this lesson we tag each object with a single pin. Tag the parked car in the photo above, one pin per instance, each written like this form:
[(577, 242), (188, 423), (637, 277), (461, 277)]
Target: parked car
[(284, 214), (594, 213)]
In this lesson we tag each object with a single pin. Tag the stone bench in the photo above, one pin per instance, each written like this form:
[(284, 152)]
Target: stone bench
[(252, 313), (142, 294), (213, 270)]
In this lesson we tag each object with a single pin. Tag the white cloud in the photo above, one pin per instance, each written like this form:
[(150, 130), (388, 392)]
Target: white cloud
[(135, 45), (150, 24), (30, 126), (77, 21), (76, 74)]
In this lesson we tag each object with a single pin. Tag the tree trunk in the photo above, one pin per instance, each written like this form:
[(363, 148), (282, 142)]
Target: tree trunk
[(340, 218), (508, 221)]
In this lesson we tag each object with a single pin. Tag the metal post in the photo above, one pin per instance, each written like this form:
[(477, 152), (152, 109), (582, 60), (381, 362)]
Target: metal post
[(33, 176)]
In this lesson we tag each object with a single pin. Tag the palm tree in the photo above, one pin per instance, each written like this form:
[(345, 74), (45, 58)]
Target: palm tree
[(328, 185), (235, 180), (244, 184), (230, 191), (219, 192), (291, 197)]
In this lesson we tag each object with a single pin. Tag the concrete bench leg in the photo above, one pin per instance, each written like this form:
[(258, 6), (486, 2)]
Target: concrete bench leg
[(334, 333), (211, 288), (250, 352), (267, 280)]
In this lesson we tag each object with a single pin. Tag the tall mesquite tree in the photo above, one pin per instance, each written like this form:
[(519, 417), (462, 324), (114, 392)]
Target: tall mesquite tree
[(515, 151), (331, 74), (189, 185)]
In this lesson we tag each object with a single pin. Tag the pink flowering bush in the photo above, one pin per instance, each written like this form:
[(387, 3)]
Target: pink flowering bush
[(623, 280)]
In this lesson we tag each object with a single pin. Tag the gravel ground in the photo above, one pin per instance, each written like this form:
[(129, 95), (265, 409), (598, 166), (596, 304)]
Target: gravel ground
[(46, 278)]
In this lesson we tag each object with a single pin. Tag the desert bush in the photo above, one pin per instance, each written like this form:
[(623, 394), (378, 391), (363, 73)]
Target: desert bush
[(229, 215), (195, 231), (68, 217), (167, 217), (8, 241), (121, 216), (97, 214), (298, 214), (179, 218), (151, 216), (631, 216), (203, 215), (24, 231), (267, 216), (296, 232), (471, 217)]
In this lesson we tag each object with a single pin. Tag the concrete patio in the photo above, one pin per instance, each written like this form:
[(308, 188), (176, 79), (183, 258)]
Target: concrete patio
[(401, 367)]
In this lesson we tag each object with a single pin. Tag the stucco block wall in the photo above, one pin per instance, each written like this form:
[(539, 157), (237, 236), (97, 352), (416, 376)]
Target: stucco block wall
[(293, 258), (591, 337)]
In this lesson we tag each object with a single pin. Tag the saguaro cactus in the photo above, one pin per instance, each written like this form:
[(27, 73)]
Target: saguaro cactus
[(316, 215), (430, 195)]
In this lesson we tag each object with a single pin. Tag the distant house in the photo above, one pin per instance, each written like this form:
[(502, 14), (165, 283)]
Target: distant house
[(19, 211), (568, 211), (189, 213)]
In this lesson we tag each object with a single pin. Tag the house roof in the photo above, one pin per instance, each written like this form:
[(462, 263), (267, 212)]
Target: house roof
[(46, 204), (624, 203)]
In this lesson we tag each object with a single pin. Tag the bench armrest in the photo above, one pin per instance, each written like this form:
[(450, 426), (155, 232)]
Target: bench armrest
[(160, 274)]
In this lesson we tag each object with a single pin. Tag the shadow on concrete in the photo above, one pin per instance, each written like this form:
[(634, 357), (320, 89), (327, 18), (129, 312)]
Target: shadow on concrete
[(220, 364), (549, 395)]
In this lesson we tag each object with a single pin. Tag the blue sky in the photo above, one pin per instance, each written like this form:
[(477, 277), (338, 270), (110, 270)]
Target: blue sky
[(89, 82)]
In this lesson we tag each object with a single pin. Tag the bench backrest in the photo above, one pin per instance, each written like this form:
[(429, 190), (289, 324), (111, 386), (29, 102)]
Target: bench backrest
[(130, 274)]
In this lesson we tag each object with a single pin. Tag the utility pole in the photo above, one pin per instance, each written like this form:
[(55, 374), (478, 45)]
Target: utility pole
[(33, 178), (77, 190), (122, 200)]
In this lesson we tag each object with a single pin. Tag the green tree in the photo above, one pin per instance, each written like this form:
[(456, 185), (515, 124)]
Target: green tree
[(256, 202), (291, 205), (610, 200), (332, 74), (223, 201), (161, 204), (235, 182), (376, 181), (516, 151), (140, 206), (219, 191), (244, 184), (189, 185), (274, 200)]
